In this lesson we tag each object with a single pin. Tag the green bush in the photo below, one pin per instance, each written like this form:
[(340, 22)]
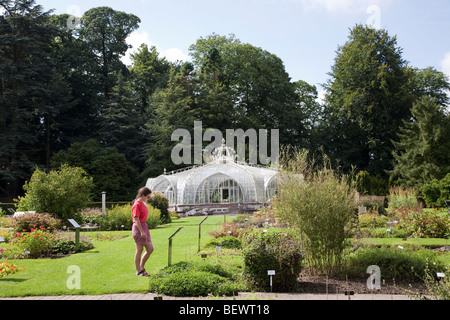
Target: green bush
[(402, 201), (195, 279), (159, 201), (372, 220), (40, 242), (371, 185), (225, 242), (120, 215), (30, 221), (394, 232), (427, 223), (278, 251), (436, 192), (63, 193), (33, 244), (394, 263), (437, 289), (65, 243), (110, 170)]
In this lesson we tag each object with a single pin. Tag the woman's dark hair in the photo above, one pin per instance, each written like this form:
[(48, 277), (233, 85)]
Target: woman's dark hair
[(144, 191)]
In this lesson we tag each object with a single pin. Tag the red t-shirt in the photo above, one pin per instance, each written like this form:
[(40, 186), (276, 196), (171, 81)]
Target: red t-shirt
[(139, 210)]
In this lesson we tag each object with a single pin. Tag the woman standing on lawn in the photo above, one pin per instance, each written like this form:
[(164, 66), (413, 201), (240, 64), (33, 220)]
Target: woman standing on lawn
[(141, 234)]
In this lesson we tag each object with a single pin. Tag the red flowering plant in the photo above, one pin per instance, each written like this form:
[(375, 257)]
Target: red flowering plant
[(33, 220), (32, 244), (6, 269)]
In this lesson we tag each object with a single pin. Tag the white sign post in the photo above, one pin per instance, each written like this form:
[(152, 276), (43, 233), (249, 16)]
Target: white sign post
[(271, 273)]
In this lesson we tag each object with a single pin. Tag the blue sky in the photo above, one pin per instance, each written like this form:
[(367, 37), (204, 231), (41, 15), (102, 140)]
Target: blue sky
[(303, 33)]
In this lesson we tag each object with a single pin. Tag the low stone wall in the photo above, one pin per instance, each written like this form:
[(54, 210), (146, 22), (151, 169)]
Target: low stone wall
[(215, 209)]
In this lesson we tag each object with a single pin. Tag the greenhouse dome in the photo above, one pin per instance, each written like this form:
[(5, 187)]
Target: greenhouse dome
[(222, 183)]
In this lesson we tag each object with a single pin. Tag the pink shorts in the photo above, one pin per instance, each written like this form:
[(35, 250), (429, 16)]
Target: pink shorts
[(137, 234)]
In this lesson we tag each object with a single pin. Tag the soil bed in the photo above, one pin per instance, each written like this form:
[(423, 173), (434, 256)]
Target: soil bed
[(318, 285)]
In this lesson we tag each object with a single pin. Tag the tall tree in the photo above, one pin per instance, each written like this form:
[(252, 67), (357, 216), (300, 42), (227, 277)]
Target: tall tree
[(423, 144), (110, 170), (148, 72), (173, 109), (105, 31), (214, 99), (30, 95), (367, 100), (80, 119), (122, 125), (258, 89)]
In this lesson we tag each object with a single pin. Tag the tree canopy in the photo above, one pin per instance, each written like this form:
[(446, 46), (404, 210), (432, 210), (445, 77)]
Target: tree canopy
[(62, 86)]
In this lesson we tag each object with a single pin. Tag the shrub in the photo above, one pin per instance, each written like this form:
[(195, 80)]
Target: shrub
[(159, 201), (91, 216), (277, 251), (195, 279), (394, 263), (40, 243), (227, 229), (37, 242), (65, 243), (110, 169), (367, 184), (30, 221), (225, 242), (320, 205), (402, 201), (63, 193), (372, 220), (392, 232), (429, 223), (436, 192), (438, 289), (120, 215)]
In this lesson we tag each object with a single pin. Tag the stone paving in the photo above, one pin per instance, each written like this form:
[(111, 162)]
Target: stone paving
[(241, 296)]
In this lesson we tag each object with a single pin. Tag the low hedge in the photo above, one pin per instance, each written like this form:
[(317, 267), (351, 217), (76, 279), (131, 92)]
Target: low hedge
[(394, 263), (194, 280)]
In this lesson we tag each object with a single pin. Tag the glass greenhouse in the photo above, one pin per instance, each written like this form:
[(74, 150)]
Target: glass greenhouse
[(224, 180)]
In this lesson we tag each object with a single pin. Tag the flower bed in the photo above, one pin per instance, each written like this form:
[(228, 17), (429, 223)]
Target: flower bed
[(41, 242), (7, 269)]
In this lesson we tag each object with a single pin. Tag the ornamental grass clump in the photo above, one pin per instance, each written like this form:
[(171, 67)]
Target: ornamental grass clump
[(320, 205), (402, 201)]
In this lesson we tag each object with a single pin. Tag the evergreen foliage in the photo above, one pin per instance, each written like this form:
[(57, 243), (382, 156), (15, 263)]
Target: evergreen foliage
[(60, 86)]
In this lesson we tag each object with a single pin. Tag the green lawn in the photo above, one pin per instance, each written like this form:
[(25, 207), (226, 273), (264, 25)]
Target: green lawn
[(109, 267)]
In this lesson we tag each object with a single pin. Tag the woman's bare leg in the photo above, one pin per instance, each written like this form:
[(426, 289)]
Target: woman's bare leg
[(148, 251)]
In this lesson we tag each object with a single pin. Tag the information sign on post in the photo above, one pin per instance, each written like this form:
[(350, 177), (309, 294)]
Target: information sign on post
[(77, 233), (271, 273)]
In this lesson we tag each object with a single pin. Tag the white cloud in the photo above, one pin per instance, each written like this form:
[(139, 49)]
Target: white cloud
[(445, 64), (321, 97), (346, 6), (136, 38), (174, 54)]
